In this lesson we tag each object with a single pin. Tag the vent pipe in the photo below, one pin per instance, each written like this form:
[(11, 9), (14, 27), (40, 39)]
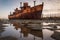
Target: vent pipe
[(21, 5), (10, 13), (34, 3), (43, 3)]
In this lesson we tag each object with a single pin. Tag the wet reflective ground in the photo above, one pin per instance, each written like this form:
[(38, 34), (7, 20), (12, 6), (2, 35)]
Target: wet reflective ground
[(30, 31)]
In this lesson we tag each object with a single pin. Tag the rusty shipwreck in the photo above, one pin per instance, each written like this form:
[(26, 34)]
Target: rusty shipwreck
[(27, 12)]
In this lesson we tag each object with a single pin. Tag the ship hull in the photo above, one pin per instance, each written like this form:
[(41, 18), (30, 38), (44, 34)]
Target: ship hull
[(27, 12), (34, 15)]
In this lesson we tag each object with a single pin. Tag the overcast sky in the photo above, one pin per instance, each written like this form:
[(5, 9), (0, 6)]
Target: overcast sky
[(50, 6)]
